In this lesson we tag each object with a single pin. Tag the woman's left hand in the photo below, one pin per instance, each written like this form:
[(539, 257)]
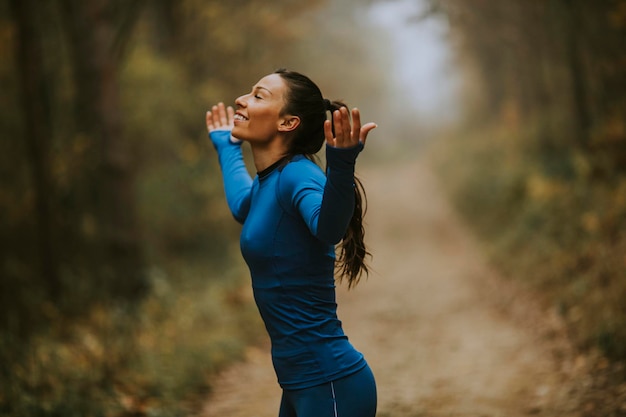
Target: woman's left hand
[(346, 135)]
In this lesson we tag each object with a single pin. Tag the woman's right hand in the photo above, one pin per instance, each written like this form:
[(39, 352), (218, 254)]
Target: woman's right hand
[(219, 123), (220, 117)]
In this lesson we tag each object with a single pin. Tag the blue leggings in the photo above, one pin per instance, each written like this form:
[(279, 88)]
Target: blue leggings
[(351, 396)]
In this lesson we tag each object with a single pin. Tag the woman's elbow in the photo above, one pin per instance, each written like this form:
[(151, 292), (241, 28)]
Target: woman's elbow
[(331, 237)]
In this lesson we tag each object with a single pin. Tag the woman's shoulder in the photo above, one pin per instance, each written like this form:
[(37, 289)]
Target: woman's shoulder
[(300, 172), (299, 166)]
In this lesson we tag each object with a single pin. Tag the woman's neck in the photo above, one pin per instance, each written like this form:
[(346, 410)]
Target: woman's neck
[(264, 155)]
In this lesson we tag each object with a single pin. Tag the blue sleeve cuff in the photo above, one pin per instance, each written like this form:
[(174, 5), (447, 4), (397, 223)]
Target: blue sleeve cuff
[(223, 137), (343, 158)]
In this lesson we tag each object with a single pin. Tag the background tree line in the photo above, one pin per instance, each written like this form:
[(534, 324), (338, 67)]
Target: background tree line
[(539, 165)]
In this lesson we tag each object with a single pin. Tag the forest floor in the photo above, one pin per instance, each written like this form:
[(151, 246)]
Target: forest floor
[(443, 333)]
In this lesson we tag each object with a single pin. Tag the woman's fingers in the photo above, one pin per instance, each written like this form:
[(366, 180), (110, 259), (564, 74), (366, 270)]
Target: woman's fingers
[(222, 114), (341, 121), (230, 112), (359, 133), (347, 133), (356, 125), (345, 124), (209, 121), (328, 134), (338, 128), (216, 117), (365, 130), (220, 117)]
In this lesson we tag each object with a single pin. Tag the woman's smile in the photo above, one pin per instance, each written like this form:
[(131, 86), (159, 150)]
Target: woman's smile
[(239, 118)]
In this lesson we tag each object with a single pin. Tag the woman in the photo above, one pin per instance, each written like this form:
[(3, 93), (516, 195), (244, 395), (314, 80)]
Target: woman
[(293, 216)]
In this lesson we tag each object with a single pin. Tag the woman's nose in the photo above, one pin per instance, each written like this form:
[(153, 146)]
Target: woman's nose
[(240, 101)]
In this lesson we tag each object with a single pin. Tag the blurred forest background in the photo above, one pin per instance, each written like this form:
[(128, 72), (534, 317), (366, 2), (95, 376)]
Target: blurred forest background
[(120, 274)]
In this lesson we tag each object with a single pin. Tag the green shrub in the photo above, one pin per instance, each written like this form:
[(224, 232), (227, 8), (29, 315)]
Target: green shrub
[(149, 360)]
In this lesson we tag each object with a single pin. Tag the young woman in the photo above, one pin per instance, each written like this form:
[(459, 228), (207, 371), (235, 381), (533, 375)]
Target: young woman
[(293, 215)]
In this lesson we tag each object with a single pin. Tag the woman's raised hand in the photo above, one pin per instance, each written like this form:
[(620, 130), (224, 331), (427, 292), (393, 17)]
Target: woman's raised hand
[(220, 117), (346, 134)]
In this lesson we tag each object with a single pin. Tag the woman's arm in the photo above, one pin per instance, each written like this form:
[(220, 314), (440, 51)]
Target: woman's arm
[(337, 206), (342, 149), (237, 181), (328, 205)]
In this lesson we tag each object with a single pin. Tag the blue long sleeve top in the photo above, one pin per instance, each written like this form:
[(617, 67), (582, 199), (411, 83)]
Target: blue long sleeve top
[(292, 216)]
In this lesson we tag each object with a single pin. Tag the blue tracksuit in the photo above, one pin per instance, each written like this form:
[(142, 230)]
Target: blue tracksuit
[(292, 217)]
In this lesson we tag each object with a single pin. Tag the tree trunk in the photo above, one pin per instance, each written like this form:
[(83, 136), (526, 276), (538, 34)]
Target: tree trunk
[(573, 49), (37, 132), (95, 42)]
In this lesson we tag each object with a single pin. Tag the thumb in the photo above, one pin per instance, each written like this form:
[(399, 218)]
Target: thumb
[(365, 130)]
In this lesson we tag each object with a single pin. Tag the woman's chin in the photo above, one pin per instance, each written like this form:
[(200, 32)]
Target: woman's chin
[(235, 133)]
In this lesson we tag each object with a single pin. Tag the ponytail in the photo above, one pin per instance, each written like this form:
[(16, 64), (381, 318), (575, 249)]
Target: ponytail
[(351, 261)]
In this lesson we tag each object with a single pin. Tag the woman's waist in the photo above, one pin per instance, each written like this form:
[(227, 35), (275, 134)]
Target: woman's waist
[(299, 366)]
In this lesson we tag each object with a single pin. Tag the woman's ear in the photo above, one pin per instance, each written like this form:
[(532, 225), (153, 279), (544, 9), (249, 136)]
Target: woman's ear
[(288, 123)]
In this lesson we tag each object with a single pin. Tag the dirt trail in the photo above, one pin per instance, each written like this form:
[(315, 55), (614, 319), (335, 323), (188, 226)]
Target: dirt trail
[(444, 335)]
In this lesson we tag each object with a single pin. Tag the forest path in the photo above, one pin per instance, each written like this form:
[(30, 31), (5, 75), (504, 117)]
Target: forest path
[(444, 335)]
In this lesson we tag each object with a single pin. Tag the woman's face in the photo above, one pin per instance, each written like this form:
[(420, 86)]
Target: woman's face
[(257, 118)]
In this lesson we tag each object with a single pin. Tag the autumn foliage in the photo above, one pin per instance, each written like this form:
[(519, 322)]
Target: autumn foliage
[(120, 293), (539, 166)]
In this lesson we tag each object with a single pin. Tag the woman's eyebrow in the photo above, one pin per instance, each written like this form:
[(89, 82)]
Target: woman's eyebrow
[(258, 87)]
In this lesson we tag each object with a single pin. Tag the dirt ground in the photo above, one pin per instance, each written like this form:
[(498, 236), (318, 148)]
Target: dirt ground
[(444, 335)]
